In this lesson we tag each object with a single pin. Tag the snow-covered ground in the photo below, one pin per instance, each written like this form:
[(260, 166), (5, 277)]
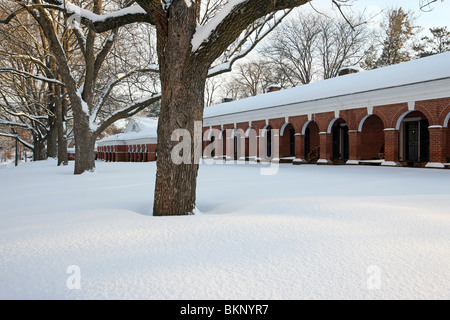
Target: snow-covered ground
[(308, 232)]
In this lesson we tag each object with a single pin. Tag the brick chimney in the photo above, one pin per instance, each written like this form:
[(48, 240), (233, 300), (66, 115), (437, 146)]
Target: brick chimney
[(347, 70), (273, 88), (226, 99)]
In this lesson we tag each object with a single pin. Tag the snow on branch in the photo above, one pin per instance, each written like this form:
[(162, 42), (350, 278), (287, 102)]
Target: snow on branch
[(101, 22), (29, 75), (21, 140), (228, 24), (203, 32)]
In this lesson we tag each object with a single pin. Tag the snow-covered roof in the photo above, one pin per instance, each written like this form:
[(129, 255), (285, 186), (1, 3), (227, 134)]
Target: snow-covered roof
[(138, 130), (352, 90)]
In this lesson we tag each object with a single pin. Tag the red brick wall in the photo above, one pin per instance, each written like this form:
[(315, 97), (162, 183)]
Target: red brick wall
[(391, 145), (435, 110), (437, 145), (298, 122), (323, 120), (389, 114)]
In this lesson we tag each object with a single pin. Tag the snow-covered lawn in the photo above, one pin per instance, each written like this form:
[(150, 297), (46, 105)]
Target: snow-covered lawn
[(308, 232)]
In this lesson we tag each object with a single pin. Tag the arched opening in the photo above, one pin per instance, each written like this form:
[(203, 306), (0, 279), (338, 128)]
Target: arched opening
[(251, 142), (213, 150), (414, 138), (238, 136), (340, 141), (236, 147), (267, 142), (372, 138), (287, 141), (312, 142), (221, 146), (447, 128)]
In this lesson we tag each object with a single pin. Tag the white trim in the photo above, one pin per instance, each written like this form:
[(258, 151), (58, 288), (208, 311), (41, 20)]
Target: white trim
[(283, 128), (402, 117), (324, 161), (237, 129), (305, 126), (435, 165), (331, 124), (369, 110), (336, 113), (353, 162), (435, 127), (390, 164), (264, 130), (361, 123), (411, 105), (247, 132), (220, 137), (447, 120)]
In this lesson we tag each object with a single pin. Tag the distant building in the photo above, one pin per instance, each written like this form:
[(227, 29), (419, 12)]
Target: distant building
[(393, 116), (136, 144)]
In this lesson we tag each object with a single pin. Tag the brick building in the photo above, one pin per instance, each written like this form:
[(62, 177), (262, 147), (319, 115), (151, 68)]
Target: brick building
[(136, 144), (393, 116)]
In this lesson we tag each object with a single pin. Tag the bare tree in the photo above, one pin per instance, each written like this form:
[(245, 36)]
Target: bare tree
[(84, 82), (293, 47), (307, 43), (193, 42), (27, 91)]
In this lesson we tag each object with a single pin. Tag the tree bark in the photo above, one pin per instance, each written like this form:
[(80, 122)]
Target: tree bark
[(62, 139), (52, 137), (84, 146), (39, 149), (182, 101)]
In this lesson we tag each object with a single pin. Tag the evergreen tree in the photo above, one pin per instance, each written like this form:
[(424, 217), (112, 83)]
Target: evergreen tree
[(398, 31), (439, 42)]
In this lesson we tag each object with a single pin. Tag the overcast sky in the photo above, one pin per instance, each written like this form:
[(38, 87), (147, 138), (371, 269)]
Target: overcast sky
[(438, 17)]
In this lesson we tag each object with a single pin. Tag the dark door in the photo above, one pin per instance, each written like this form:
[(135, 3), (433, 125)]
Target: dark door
[(213, 152), (424, 154), (340, 143), (236, 147), (412, 138), (307, 142), (269, 143), (292, 142)]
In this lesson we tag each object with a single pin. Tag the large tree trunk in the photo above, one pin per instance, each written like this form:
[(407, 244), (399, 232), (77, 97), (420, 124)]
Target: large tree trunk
[(182, 101), (39, 152), (84, 146), (52, 137), (175, 188)]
